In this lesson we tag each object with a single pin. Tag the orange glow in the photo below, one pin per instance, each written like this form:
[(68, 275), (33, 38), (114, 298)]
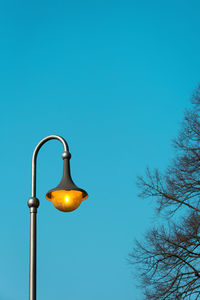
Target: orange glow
[(66, 200)]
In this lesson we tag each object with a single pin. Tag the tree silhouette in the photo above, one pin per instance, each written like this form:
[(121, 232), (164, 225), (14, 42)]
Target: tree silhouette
[(168, 261)]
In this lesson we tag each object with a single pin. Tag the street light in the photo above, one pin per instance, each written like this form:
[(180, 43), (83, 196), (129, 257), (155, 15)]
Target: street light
[(65, 197)]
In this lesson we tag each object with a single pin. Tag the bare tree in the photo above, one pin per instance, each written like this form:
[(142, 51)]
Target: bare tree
[(168, 260)]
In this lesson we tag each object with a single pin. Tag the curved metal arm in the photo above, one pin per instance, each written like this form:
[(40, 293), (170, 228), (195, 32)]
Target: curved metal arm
[(34, 158)]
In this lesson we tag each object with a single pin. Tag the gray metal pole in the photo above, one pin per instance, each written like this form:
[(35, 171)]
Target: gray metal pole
[(33, 204), (32, 275)]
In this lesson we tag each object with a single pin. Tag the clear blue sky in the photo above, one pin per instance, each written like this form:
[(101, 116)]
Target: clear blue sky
[(113, 78)]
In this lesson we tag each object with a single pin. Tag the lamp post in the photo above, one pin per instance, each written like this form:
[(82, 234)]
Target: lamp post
[(65, 197)]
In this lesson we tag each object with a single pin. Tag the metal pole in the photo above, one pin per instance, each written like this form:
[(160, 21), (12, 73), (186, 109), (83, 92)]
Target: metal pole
[(32, 275), (33, 204)]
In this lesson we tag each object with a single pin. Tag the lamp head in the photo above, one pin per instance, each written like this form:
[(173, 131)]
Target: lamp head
[(66, 196)]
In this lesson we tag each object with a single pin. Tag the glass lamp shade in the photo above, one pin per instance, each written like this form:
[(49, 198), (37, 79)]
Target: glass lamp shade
[(66, 196), (66, 200)]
